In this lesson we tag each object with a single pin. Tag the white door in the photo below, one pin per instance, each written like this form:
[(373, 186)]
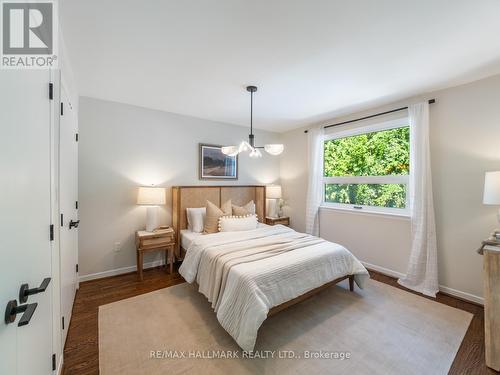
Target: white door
[(25, 218), (68, 197)]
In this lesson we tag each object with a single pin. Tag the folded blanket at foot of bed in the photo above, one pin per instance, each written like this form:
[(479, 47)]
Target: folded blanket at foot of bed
[(245, 274)]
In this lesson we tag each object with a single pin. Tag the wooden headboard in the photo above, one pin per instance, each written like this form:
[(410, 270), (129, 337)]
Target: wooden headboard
[(196, 196)]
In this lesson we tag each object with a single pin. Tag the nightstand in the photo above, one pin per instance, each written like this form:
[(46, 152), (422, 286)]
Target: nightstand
[(285, 220), (161, 239)]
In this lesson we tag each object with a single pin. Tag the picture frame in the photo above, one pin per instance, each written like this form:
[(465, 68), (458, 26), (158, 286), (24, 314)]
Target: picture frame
[(214, 165)]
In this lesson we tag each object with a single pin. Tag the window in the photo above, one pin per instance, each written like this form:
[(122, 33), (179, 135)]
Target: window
[(368, 168)]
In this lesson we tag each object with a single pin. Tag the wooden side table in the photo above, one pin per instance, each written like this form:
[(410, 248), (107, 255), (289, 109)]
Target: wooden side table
[(161, 239), (284, 220)]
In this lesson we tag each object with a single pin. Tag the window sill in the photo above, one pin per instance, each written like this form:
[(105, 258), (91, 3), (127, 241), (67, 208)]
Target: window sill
[(367, 212)]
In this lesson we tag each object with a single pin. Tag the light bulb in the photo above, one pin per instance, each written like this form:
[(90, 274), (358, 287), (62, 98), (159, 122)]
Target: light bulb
[(255, 153), (244, 146)]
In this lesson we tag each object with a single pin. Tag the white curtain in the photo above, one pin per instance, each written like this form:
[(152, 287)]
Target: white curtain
[(422, 274), (315, 140)]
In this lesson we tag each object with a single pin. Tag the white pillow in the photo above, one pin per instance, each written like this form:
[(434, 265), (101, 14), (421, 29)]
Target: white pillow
[(196, 219), (237, 223)]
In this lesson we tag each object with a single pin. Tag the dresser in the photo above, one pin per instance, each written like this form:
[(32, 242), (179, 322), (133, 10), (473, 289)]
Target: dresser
[(491, 269)]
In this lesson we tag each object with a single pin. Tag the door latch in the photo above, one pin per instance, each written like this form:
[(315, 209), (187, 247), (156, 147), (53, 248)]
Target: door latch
[(74, 224), (25, 291), (13, 309)]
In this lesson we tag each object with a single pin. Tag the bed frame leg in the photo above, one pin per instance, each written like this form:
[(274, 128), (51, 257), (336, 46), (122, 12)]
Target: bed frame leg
[(351, 283)]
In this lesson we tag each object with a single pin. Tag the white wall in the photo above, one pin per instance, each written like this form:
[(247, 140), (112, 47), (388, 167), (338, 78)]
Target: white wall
[(465, 121), (122, 147)]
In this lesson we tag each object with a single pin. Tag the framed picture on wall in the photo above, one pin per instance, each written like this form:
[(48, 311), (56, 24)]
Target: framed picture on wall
[(214, 165)]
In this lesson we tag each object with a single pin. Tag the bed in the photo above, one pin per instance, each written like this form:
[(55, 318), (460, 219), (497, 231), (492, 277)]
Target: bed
[(250, 275)]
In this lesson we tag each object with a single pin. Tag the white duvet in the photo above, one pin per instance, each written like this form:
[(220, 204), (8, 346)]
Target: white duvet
[(245, 274)]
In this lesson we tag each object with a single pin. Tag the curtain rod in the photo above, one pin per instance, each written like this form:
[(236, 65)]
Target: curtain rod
[(431, 101)]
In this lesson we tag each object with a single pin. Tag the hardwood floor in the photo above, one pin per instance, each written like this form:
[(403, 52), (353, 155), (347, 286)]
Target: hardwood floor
[(81, 354)]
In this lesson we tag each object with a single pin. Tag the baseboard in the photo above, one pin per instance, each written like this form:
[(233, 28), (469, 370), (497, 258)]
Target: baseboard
[(462, 295), (385, 271), (118, 271), (446, 290)]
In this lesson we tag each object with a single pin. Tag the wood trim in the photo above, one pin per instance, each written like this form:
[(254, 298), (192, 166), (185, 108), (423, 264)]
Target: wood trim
[(176, 203), (285, 305), (276, 309)]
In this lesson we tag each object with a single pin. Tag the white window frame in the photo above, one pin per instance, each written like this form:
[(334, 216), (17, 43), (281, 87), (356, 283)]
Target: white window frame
[(391, 179)]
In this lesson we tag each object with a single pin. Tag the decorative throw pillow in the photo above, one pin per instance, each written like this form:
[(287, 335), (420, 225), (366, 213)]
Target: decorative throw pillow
[(247, 209), (227, 207), (213, 214), (196, 218), (237, 223)]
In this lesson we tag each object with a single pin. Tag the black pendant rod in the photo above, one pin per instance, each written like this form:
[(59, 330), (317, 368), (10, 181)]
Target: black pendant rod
[(251, 112), (251, 138), (251, 90), (431, 101)]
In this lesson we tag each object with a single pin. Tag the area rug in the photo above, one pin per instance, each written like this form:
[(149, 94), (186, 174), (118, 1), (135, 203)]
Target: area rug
[(378, 330)]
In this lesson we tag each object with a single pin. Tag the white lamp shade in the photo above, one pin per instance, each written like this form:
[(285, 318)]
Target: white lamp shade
[(230, 150), (274, 149), (273, 192), (151, 196), (492, 188)]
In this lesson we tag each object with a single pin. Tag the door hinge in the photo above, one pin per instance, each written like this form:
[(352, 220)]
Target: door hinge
[(62, 109), (76, 137), (76, 268), (53, 362), (76, 205), (51, 91), (51, 231), (63, 322), (62, 220)]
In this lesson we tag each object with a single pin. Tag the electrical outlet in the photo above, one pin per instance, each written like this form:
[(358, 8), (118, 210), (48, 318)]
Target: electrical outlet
[(117, 247)]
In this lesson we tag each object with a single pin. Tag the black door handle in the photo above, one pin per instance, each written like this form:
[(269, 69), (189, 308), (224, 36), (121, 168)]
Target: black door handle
[(13, 309), (25, 291), (74, 224)]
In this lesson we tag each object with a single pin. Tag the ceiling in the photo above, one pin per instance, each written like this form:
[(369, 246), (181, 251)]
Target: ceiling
[(311, 59)]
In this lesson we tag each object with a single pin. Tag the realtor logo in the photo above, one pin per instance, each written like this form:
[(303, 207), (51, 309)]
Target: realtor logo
[(29, 35)]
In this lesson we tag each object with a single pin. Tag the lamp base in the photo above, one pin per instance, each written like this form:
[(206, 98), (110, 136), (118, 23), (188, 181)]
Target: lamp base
[(496, 232), (152, 218), (272, 208)]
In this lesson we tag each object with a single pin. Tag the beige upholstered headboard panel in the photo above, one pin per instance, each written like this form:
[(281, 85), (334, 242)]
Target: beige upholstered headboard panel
[(196, 196)]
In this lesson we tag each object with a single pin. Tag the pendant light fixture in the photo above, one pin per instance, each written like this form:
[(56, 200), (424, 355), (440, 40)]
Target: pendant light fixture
[(272, 149)]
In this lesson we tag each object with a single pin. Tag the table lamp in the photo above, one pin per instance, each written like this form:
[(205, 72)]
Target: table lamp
[(273, 194), (151, 197), (491, 194)]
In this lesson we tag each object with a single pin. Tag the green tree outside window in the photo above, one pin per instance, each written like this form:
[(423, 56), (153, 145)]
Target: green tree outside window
[(381, 153)]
